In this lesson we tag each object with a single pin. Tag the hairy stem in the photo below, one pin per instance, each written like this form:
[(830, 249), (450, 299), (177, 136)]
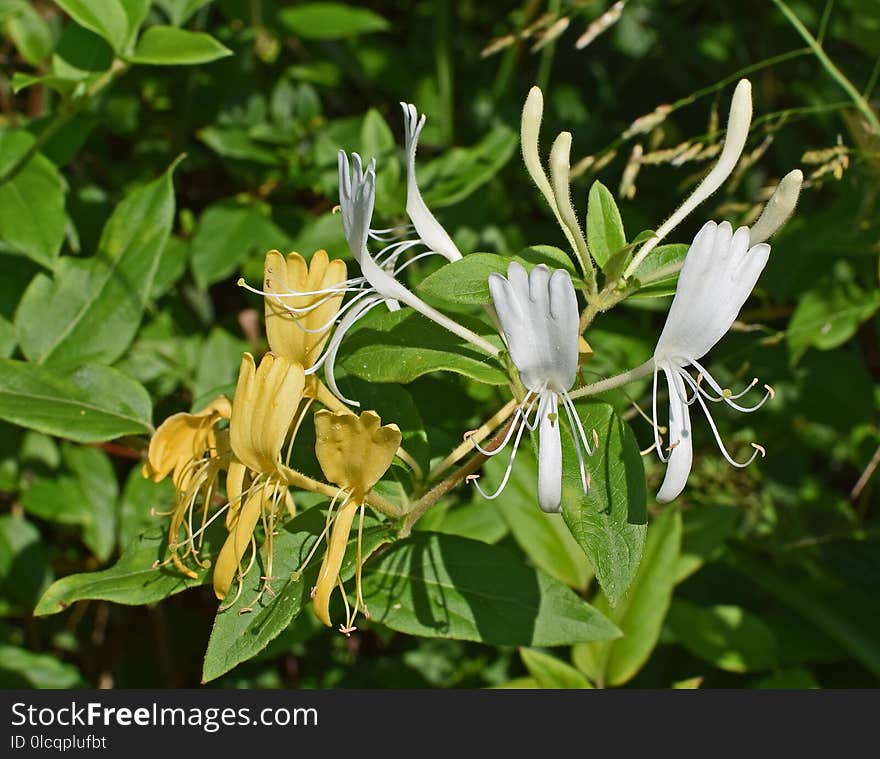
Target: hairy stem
[(438, 491), (618, 380), (300, 480), (476, 436), (61, 118)]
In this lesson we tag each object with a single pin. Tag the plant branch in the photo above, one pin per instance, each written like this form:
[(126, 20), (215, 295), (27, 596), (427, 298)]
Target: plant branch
[(618, 380), (438, 491), (835, 73)]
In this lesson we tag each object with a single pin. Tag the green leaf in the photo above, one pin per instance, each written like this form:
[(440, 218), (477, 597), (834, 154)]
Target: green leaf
[(829, 315), (706, 527), (610, 522), (843, 613), (227, 235), (218, 363), (180, 11), (141, 500), (796, 678), (727, 637), (135, 13), (84, 494), (237, 143), (469, 520), (24, 566), (108, 19), (237, 635), (90, 405), (445, 586), (663, 257), (92, 307), (544, 538), (331, 21), (30, 33), (467, 280), (550, 672), (605, 234), (134, 579), (398, 346), (20, 668), (32, 217), (640, 613), (459, 172), (97, 479), (170, 46), (172, 265)]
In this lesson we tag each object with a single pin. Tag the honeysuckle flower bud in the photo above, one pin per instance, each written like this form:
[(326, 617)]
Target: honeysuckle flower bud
[(354, 452), (301, 302), (538, 313), (192, 449), (738, 123), (779, 208), (558, 195), (719, 272), (266, 410)]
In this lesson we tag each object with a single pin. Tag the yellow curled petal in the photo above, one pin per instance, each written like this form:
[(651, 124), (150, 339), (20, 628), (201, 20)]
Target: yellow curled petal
[(265, 404), (184, 437), (328, 575), (354, 451), (236, 544), (235, 477), (300, 343)]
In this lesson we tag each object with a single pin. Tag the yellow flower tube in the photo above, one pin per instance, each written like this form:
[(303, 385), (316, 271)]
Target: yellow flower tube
[(354, 452)]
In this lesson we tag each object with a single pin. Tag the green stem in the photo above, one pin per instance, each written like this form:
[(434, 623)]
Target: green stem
[(61, 118), (829, 66), (438, 491), (618, 380), (443, 58), (620, 140)]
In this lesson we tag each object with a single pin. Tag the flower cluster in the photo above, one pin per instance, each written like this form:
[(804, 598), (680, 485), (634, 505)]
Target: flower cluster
[(236, 458)]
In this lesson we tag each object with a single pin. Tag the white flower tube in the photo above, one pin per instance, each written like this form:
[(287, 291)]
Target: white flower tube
[(538, 313), (719, 273)]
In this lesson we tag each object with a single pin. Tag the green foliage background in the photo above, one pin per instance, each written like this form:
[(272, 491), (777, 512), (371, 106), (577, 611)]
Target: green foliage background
[(151, 155)]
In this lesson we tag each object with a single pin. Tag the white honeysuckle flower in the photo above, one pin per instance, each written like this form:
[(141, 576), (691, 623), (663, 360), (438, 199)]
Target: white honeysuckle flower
[(718, 275), (539, 316), (378, 282)]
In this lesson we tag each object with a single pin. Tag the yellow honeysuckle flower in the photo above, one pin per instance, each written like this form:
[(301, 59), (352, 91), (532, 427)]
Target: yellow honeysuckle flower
[(301, 302), (183, 438), (266, 410), (193, 451), (354, 452)]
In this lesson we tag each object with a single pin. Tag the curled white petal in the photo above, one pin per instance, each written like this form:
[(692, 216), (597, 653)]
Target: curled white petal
[(549, 457), (678, 466), (427, 227)]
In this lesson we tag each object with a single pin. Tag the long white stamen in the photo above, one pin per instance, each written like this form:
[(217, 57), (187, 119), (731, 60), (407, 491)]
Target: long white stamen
[(506, 471), (566, 399), (577, 444), (730, 399), (330, 356), (427, 254), (335, 317), (513, 425), (658, 443), (330, 291), (730, 459)]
